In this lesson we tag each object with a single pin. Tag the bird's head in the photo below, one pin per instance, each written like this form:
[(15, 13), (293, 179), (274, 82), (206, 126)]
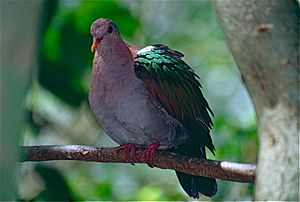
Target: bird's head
[(103, 29)]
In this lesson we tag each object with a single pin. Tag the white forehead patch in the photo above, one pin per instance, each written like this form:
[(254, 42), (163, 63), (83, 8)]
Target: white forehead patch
[(146, 49)]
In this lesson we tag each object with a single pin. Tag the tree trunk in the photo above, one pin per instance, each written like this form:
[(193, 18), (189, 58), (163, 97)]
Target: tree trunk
[(19, 20), (263, 38)]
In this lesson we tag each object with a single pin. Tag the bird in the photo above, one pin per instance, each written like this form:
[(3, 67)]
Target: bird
[(149, 96)]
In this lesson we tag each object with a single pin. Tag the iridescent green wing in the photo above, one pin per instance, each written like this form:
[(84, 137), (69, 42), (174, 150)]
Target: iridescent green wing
[(174, 85)]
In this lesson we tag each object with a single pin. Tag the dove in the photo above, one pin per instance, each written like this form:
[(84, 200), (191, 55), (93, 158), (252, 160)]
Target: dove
[(149, 96)]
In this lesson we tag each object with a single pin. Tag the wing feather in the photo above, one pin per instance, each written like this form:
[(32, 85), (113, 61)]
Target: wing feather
[(173, 85)]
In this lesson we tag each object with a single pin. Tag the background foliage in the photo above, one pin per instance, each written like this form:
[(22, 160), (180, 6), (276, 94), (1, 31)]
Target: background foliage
[(58, 111)]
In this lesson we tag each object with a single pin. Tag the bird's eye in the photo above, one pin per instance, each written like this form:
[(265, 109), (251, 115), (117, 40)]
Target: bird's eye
[(110, 29)]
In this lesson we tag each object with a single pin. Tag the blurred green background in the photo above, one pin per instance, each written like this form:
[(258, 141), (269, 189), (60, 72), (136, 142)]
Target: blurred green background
[(57, 111)]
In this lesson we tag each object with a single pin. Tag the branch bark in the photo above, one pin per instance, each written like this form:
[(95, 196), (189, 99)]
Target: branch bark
[(165, 160), (263, 38)]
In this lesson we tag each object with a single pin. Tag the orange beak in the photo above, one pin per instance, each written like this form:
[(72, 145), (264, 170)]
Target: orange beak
[(95, 44)]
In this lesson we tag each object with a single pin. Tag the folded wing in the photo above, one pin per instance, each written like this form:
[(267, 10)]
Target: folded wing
[(173, 85)]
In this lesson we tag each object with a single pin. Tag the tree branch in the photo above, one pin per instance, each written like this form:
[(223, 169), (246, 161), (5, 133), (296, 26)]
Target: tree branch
[(165, 160)]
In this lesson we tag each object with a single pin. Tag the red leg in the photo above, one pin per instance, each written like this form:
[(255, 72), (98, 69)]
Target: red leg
[(147, 154), (129, 151)]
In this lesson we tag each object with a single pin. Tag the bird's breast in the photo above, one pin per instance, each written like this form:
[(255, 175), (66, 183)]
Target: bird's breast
[(121, 104)]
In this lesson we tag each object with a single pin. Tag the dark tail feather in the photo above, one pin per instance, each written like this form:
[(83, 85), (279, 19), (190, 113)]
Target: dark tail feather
[(193, 185)]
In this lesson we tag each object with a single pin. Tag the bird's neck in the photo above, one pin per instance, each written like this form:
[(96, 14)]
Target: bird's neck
[(112, 52), (112, 65)]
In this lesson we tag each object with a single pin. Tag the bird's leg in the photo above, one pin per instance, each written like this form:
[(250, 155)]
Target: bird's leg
[(147, 154), (129, 151)]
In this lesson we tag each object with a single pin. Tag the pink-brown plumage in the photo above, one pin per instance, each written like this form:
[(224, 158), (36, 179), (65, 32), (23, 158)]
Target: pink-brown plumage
[(136, 105)]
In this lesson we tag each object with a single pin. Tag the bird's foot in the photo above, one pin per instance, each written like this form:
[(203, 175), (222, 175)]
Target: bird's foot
[(147, 154), (129, 151)]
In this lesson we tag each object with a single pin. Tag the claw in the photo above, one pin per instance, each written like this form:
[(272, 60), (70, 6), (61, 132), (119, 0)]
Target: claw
[(147, 154), (129, 152)]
